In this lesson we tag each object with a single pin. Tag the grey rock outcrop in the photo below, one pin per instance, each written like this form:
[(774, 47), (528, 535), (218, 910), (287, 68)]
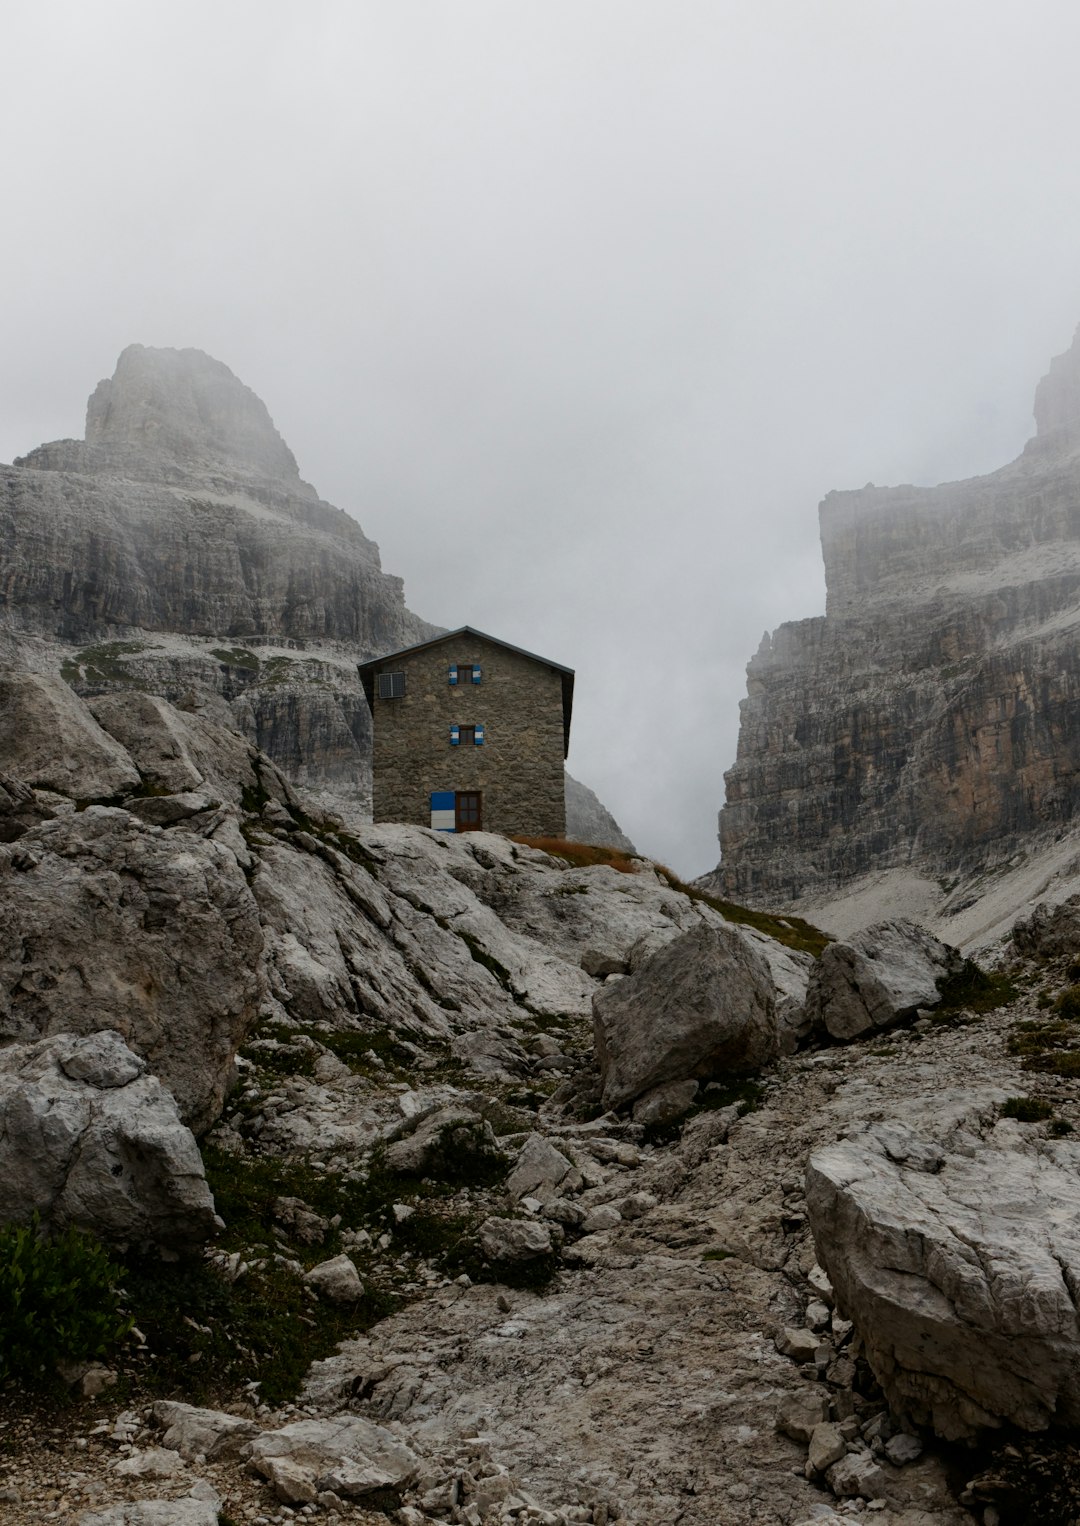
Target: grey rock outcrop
[(704, 1004), (958, 1258), (1050, 932), (589, 820), (49, 740), (183, 511), (89, 1139), (348, 1455), (20, 808), (879, 977), (113, 924), (928, 719)]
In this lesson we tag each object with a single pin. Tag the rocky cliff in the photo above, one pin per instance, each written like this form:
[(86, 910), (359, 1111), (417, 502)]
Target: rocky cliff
[(519, 1251), (928, 719), (177, 551)]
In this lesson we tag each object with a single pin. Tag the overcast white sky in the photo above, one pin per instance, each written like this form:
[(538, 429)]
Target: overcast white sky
[(579, 306)]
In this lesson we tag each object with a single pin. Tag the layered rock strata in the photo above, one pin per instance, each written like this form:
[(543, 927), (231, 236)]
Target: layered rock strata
[(929, 718), (177, 551)]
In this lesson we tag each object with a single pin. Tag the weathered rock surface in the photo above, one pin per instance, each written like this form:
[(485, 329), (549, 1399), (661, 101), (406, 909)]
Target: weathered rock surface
[(879, 977), (183, 511), (193, 1431), (348, 1455), (50, 740), (952, 1242), (203, 1511), (88, 1138), (705, 1004), (928, 719), (589, 820), (112, 924), (1050, 932)]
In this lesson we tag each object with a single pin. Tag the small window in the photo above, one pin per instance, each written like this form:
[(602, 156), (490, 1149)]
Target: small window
[(466, 736), (464, 673), (391, 685)]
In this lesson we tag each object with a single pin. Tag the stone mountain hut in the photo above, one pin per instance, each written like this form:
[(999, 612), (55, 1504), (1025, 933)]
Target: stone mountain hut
[(471, 733)]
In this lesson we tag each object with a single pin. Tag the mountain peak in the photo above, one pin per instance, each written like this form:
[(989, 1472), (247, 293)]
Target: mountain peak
[(185, 406)]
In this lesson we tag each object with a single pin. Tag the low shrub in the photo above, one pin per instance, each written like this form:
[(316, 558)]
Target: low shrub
[(58, 1302), (1027, 1109)]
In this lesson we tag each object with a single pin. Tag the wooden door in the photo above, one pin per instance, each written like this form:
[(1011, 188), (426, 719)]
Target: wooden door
[(468, 814)]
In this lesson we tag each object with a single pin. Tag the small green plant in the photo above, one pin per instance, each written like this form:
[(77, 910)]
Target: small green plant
[(1067, 1004), (236, 657), (58, 1301), (973, 989), (1059, 1127), (717, 1255), (1027, 1109)]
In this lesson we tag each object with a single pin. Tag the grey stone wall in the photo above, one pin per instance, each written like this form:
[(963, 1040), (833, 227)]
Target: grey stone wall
[(519, 768)]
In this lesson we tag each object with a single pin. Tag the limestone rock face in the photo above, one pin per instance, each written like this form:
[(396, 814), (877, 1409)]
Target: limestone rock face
[(929, 718), (88, 1138), (588, 820), (704, 1004), (48, 739), (109, 923), (185, 407), (177, 551), (882, 975), (958, 1258)]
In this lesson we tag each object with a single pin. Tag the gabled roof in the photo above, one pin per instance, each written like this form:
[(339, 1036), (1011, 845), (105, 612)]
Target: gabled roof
[(368, 669)]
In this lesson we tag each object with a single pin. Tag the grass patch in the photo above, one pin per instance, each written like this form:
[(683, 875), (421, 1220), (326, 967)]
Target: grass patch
[(1027, 1109), (1067, 1003), (583, 855), (973, 989), (793, 932), (236, 657), (717, 1255), (101, 664), (208, 1337)]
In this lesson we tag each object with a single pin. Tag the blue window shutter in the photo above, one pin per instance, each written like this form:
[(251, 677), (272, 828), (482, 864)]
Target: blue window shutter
[(478, 736), (455, 736), (476, 673), (453, 674)]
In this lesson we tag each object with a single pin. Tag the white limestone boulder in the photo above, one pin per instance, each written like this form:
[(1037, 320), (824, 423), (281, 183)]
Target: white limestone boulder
[(703, 1004), (346, 1454), (958, 1258), (109, 923), (192, 1431), (88, 1138), (879, 977)]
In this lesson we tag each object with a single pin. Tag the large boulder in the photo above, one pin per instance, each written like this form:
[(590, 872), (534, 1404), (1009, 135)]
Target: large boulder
[(703, 1004), (879, 977), (1050, 932), (48, 738), (88, 1138), (954, 1245), (108, 923)]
